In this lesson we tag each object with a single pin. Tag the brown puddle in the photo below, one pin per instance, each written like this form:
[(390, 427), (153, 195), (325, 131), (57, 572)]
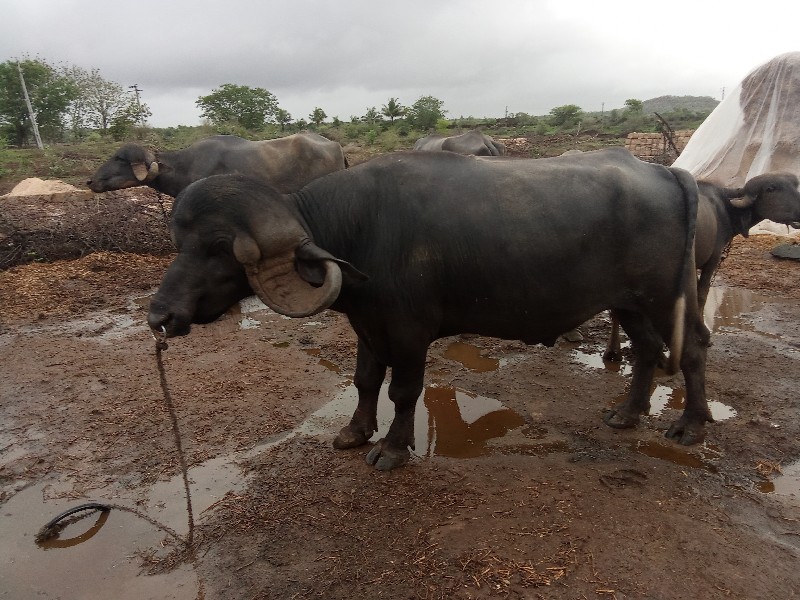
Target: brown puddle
[(470, 356), (664, 397), (447, 422), (737, 309), (323, 361), (699, 457), (786, 484), (94, 557)]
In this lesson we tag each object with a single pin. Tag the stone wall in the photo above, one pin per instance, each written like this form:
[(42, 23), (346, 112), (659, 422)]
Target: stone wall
[(654, 147)]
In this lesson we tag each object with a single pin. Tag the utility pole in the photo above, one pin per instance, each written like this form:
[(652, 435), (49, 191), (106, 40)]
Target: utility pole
[(31, 115), (136, 90)]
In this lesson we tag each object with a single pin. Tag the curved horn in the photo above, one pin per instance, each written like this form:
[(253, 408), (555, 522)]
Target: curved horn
[(278, 285), (745, 201), (144, 173), (139, 171)]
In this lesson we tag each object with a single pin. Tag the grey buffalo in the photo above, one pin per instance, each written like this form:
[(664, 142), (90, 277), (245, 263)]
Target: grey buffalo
[(724, 213), (472, 142), (416, 246), (287, 163)]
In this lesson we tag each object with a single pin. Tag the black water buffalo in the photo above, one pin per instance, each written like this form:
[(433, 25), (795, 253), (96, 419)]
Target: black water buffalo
[(417, 246), (724, 213), (472, 142), (287, 163)]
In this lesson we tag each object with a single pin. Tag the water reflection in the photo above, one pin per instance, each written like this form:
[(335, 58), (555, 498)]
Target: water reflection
[(459, 425), (664, 397), (596, 361), (731, 309), (58, 542), (448, 421), (698, 458), (470, 356), (786, 484), (100, 563)]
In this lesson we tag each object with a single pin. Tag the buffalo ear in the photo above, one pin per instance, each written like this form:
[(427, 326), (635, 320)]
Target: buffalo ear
[(310, 261), (246, 250)]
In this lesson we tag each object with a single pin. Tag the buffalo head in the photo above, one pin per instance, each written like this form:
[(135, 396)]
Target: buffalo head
[(773, 196), (237, 236), (130, 166)]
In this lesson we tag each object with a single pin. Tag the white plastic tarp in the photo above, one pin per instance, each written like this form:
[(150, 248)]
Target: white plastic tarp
[(754, 130)]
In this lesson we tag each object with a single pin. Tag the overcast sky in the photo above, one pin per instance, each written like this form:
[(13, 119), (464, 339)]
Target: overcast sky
[(480, 57)]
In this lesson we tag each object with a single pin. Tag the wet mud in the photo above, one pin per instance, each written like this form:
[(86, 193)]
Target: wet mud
[(515, 489)]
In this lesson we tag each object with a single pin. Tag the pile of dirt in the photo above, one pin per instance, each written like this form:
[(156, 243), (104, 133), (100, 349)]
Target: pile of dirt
[(34, 186)]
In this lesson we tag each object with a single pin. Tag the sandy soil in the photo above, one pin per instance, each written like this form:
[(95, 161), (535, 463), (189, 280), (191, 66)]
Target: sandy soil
[(545, 502)]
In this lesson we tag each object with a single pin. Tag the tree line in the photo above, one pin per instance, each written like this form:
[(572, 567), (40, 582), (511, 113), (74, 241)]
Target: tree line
[(67, 101), (71, 103)]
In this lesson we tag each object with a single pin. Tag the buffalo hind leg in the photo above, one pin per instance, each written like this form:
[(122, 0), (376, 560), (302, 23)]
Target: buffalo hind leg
[(613, 351), (404, 390), (690, 427), (646, 346), (368, 379)]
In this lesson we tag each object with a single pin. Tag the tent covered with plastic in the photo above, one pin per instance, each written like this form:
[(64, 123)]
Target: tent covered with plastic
[(754, 130)]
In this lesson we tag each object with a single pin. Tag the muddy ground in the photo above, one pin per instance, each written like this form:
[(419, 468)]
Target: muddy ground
[(516, 489)]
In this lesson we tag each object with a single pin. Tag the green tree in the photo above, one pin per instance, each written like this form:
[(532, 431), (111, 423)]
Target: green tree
[(283, 118), (393, 109), (125, 121), (250, 107), (565, 116), (425, 112), (318, 116), (50, 92), (372, 116), (101, 102), (633, 105)]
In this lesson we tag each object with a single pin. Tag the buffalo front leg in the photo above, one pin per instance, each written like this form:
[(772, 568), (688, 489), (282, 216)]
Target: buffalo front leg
[(646, 346), (392, 451), (368, 379)]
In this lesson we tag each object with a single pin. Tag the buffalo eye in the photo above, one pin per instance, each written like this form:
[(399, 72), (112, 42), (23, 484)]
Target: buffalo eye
[(219, 248)]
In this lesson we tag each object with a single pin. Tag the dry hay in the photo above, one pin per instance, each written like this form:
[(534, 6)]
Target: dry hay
[(69, 287), (37, 227)]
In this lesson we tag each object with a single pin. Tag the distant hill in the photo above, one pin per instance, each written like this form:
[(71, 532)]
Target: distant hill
[(666, 104)]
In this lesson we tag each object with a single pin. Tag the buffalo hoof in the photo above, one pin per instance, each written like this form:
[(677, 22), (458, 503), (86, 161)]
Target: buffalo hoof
[(574, 335), (612, 355), (350, 438), (686, 433), (618, 419), (384, 458)]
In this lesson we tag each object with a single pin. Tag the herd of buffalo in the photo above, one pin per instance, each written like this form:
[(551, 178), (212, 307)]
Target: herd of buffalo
[(450, 238)]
